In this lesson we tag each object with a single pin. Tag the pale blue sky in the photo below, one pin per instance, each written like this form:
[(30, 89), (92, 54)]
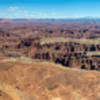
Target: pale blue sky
[(49, 8)]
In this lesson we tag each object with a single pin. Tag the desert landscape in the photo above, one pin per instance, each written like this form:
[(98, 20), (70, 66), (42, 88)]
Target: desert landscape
[(50, 59), (71, 43)]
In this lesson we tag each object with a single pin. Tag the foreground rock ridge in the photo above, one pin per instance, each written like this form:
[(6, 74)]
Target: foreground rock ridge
[(37, 80)]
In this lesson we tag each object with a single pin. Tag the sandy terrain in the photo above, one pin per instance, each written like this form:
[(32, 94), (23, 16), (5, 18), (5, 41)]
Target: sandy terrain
[(46, 81)]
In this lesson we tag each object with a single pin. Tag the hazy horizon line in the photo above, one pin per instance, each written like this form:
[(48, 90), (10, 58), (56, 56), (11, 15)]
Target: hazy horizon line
[(56, 18)]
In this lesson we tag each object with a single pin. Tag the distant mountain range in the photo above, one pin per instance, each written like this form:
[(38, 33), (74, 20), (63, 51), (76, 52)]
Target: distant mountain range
[(3, 20)]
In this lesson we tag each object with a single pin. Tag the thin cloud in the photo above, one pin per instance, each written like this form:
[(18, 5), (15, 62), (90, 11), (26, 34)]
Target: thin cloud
[(21, 12), (13, 8)]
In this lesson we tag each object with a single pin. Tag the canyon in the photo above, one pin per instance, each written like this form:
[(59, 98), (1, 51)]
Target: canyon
[(43, 59)]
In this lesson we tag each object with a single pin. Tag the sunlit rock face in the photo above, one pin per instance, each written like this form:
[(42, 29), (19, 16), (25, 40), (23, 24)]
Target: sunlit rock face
[(61, 42)]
